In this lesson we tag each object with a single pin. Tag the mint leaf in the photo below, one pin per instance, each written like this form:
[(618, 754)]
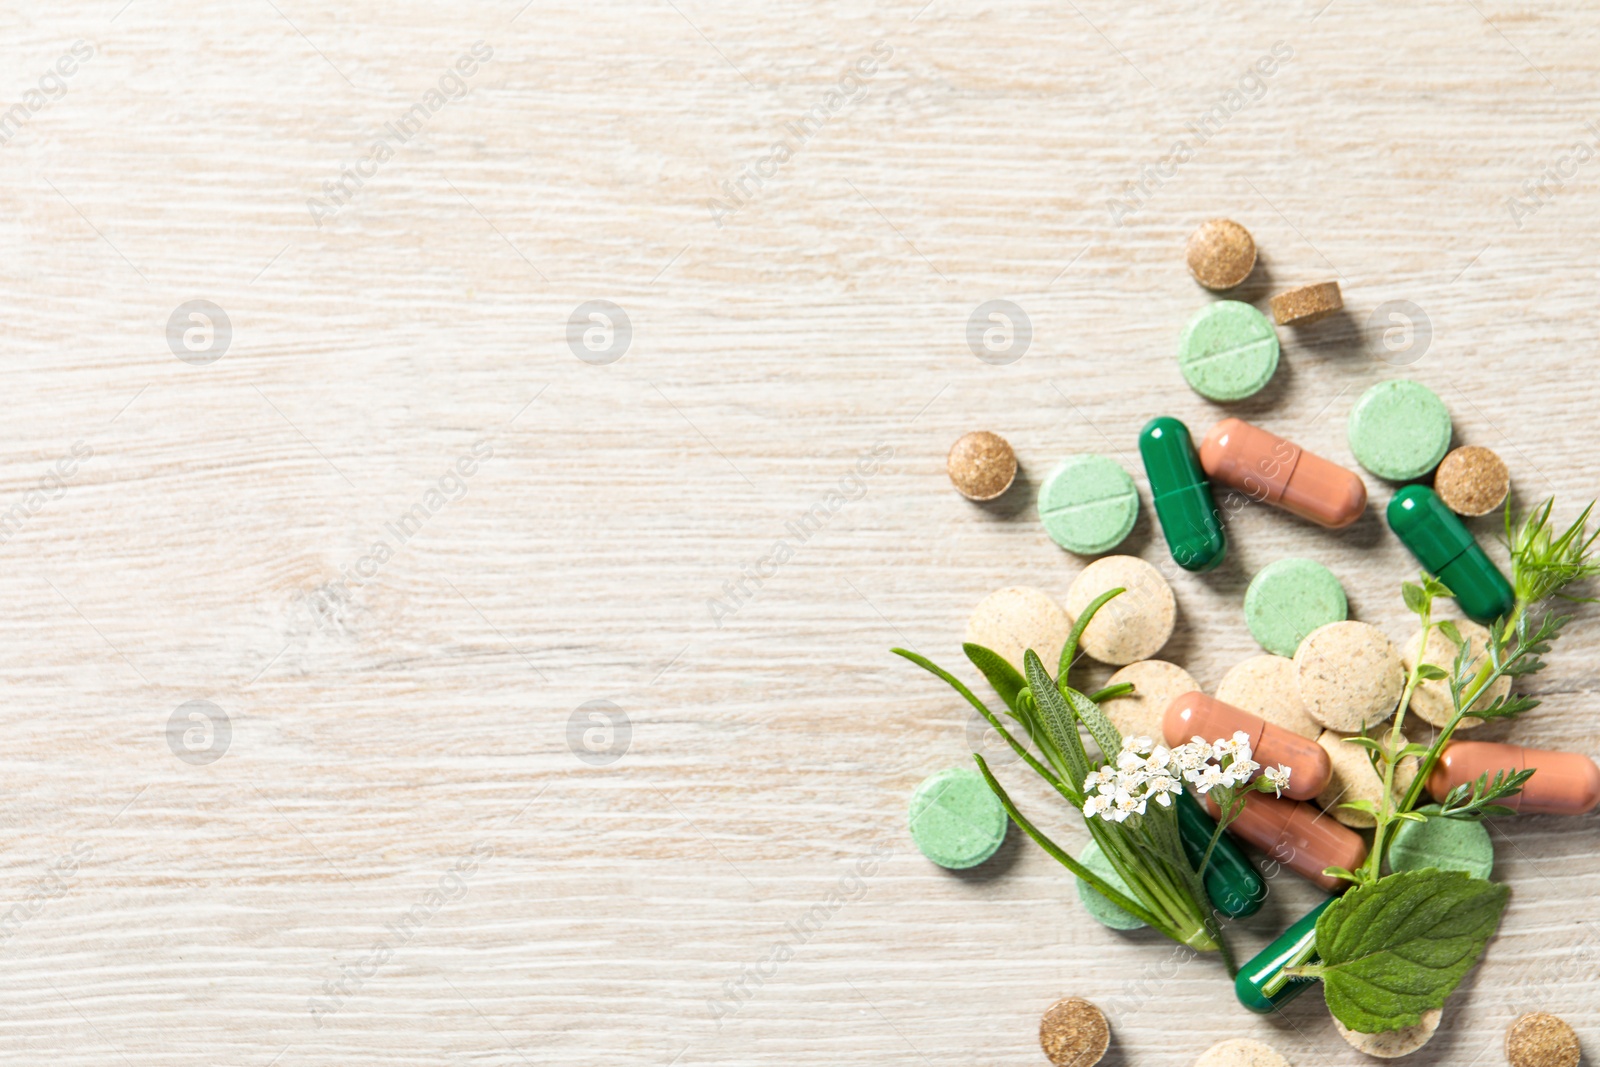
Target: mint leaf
[(1398, 947)]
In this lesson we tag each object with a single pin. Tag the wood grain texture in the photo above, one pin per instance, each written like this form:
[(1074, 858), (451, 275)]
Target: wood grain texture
[(407, 731)]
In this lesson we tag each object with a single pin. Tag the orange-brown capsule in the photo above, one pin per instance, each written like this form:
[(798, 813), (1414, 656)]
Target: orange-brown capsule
[(1192, 714), (1298, 836), (1265, 467), (1564, 783)]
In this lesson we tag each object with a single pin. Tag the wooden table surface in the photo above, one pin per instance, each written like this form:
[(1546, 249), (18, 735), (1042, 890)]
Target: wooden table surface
[(522, 740)]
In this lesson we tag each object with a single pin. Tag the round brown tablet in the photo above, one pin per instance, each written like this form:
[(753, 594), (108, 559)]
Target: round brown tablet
[(1539, 1039), (1392, 1044), (1472, 481), (1307, 304), (1074, 1033), (1221, 254), (981, 465)]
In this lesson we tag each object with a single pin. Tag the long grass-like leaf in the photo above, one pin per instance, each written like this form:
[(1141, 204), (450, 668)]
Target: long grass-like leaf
[(1111, 893), (1056, 718), (955, 683)]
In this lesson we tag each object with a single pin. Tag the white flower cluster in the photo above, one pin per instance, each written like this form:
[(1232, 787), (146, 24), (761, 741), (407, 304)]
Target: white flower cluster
[(1146, 770)]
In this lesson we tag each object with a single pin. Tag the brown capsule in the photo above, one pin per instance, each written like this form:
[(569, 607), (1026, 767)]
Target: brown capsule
[(1563, 783), (1195, 713), (1266, 468), (1296, 835)]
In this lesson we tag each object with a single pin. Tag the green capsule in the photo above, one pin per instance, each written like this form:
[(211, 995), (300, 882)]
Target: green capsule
[(1235, 887), (1446, 550), (1182, 495), (1260, 985)]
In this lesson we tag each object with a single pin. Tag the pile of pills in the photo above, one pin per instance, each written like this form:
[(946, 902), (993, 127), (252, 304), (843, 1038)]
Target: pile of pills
[(1322, 678)]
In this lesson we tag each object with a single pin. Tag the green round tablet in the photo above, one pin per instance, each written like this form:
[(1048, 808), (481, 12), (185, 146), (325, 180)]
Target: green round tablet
[(1448, 844), (956, 821), (1290, 598), (1399, 430), (1229, 351), (1099, 906), (1088, 504)]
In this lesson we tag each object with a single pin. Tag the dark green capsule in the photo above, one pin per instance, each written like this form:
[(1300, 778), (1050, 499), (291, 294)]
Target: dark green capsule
[(1182, 495), (1260, 985), (1446, 550), (1235, 887)]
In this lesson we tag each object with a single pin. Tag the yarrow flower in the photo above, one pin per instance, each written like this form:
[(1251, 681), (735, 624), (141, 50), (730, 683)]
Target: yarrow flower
[(1145, 771)]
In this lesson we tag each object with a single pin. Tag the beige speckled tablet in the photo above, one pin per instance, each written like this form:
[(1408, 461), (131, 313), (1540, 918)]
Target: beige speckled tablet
[(1155, 683), (1432, 698), (1020, 617), (1134, 625), (1349, 675), (1394, 1043), (1354, 779), (1264, 686), (1241, 1052)]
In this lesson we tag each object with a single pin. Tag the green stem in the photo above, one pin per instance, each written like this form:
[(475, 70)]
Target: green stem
[(1486, 676), (1371, 867)]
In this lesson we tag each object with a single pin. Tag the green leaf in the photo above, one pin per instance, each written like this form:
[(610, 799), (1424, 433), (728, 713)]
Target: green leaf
[(1368, 806), (1435, 588), (1340, 872), (1398, 947), (1056, 718), (1069, 651), (1005, 678), (1369, 743), (1428, 672), (1105, 735), (1410, 816), (1416, 600), (1451, 632)]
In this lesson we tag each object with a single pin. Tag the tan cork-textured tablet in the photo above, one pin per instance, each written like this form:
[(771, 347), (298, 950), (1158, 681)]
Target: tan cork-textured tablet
[(981, 465), (1393, 1043), (1134, 624), (1009, 621), (1264, 686), (1155, 684), (1074, 1033), (1472, 481), (1349, 675), (1354, 779), (1540, 1039), (1431, 700), (1221, 254), (1241, 1052), (1307, 304)]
